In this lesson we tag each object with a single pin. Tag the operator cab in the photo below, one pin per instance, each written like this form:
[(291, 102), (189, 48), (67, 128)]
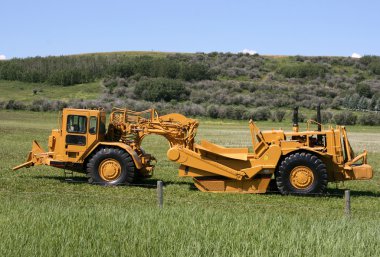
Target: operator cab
[(79, 130), (83, 125)]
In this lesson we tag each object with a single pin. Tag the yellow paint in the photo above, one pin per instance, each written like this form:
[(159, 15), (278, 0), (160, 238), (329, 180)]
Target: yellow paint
[(301, 177), (109, 169)]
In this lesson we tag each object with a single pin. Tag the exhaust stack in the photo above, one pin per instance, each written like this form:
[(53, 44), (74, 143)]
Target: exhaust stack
[(319, 119), (295, 119)]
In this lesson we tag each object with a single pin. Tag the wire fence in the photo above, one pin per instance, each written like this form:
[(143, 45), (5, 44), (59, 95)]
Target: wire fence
[(152, 184), (229, 203)]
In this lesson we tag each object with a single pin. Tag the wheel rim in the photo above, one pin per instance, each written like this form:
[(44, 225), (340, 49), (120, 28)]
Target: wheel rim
[(301, 177), (109, 169)]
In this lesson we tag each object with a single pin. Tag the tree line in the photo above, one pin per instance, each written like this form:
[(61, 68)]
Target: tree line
[(70, 70), (219, 85)]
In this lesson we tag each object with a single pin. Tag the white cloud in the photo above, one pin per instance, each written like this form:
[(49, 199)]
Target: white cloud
[(249, 51), (356, 55), (2, 57)]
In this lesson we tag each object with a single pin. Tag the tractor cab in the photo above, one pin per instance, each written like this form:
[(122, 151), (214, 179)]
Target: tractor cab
[(79, 130)]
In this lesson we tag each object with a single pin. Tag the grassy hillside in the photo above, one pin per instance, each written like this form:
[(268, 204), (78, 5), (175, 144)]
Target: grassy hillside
[(130, 53), (217, 85), (28, 92), (42, 215)]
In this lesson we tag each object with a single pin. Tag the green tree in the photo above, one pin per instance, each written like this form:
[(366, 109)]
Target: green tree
[(303, 70), (364, 90), (161, 89)]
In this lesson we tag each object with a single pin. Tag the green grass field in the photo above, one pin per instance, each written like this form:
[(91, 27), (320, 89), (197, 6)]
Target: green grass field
[(23, 91), (42, 215)]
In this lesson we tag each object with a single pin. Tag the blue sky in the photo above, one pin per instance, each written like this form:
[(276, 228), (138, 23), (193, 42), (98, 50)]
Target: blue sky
[(333, 27)]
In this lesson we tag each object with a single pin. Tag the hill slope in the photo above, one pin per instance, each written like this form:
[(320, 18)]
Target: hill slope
[(218, 85)]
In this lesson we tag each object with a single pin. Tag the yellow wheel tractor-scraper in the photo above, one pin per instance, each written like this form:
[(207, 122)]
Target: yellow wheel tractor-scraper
[(298, 162)]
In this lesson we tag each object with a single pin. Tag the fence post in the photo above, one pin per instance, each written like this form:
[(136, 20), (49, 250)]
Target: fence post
[(160, 193), (347, 200)]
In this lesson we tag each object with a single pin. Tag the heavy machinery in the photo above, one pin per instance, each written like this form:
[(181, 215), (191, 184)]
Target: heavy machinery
[(298, 162)]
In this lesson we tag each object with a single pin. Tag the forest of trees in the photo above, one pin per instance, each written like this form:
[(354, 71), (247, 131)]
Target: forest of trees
[(70, 70), (218, 85)]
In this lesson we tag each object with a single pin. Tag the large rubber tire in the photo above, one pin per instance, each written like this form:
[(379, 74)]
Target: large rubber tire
[(124, 173), (314, 182)]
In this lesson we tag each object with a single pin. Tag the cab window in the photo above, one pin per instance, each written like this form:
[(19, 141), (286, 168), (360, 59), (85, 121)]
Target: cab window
[(93, 125), (75, 140), (76, 124)]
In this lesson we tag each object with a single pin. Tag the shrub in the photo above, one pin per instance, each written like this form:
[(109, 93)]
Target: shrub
[(213, 111), (121, 92), (303, 70), (15, 105), (326, 116), (261, 113), (112, 83), (222, 112), (370, 119), (198, 96), (351, 101), (372, 103), (301, 117), (59, 105), (364, 90), (231, 113), (36, 106), (363, 103), (375, 67), (237, 112), (345, 118), (190, 109), (195, 71), (367, 59), (278, 115), (158, 89), (212, 54)]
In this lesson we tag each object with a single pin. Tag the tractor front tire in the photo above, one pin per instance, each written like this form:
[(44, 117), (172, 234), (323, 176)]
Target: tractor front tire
[(301, 173), (110, 166)]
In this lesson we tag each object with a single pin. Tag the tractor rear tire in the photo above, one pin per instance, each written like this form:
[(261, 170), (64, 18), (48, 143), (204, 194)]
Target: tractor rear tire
[(110, 166), (301, 173)]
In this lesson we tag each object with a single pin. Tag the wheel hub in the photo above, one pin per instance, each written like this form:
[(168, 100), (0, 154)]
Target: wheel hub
[(301, 177), (109, 169)]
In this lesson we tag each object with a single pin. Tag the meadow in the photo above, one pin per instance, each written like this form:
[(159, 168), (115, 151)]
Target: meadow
[(23, 92), (42, 214)]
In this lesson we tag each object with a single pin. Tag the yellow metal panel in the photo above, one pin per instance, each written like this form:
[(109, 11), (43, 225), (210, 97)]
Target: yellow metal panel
[(268, 160), (186, 171), (273, 135), (192, 159), (259, 185), (360, 172), (233, 153)]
